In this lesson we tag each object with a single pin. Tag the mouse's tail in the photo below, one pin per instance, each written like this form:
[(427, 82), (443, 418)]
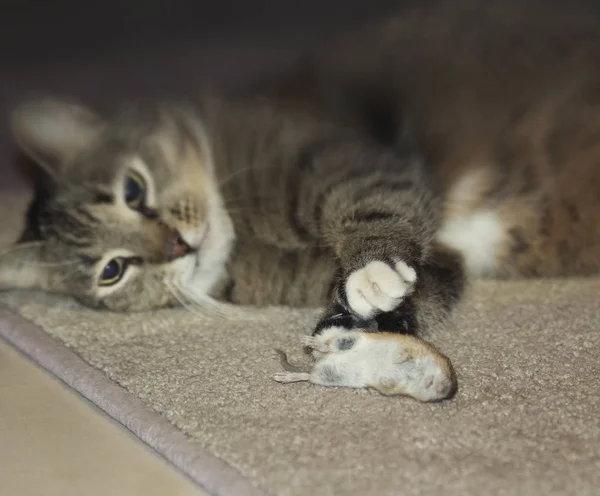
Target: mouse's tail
[(284, 362)]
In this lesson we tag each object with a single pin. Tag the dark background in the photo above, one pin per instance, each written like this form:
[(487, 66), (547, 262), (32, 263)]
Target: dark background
[(36, 29), (104, 52)]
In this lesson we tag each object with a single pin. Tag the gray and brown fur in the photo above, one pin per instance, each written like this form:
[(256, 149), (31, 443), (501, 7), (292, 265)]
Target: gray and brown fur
[(503, 94), (411, 140)]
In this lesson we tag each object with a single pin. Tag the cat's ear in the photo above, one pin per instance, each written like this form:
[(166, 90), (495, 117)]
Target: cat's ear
[(53, 131), (22, 266)]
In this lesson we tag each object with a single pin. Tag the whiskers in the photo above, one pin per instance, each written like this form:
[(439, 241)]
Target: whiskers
[(19, 252), (25, 267), (24, 252), (201, 304), (244, 170)]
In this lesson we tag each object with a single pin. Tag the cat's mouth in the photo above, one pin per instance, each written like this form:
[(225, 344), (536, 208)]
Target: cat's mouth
[(188, 264)]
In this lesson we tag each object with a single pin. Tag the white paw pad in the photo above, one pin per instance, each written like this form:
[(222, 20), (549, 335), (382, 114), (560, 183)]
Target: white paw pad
[(377, 287)]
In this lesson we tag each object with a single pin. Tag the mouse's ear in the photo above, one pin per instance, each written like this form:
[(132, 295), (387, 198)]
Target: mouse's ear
[(52, 132)]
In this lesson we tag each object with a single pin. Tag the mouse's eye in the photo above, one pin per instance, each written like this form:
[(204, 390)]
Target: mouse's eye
[(135, 191), (113, 271)]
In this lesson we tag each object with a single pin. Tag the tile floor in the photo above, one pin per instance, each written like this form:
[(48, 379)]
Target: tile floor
[(53, 442)]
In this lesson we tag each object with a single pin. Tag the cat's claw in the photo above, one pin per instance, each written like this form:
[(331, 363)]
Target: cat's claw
[(378, 287)]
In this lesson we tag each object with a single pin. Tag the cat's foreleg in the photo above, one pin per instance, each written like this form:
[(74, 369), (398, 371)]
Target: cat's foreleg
[(416, 368), (439, 286), (441, 283), (381, 225)]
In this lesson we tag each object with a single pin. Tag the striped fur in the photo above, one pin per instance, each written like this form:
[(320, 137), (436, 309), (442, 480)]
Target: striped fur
[(429, 146)]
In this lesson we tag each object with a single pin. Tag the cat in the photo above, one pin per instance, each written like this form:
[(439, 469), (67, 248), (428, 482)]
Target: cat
[(375, 179), (157, 206)]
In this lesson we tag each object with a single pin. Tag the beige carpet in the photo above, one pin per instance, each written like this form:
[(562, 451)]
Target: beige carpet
[(526, 419)]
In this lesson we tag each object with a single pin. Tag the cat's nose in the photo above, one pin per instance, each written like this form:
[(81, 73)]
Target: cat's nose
[(176, 246)]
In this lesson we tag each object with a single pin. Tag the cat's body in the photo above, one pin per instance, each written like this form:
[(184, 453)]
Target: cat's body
[(503, 99), (448, 142), (285, 210)]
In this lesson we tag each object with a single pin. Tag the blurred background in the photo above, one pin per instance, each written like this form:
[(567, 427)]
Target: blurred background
[(108, 51)]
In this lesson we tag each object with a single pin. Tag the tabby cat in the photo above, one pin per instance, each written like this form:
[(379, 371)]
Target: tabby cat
[(376, 178)]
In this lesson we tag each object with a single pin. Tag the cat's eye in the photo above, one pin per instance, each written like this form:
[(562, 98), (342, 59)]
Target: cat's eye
[(135, 191), (113, 271)]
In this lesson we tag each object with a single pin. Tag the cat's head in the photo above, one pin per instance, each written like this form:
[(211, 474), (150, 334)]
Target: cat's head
[(126, 211)]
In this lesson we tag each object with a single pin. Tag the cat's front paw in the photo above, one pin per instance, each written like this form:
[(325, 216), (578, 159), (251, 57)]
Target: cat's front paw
[(379, 287)]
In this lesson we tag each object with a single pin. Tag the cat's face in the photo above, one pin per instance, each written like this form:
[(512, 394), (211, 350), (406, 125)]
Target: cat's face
[(129, 215)]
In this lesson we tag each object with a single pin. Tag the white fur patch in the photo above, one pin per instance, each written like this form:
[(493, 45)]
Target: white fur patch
[(215, 242), (195, 236), (475, 231), (379, 287), (477, 236)]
